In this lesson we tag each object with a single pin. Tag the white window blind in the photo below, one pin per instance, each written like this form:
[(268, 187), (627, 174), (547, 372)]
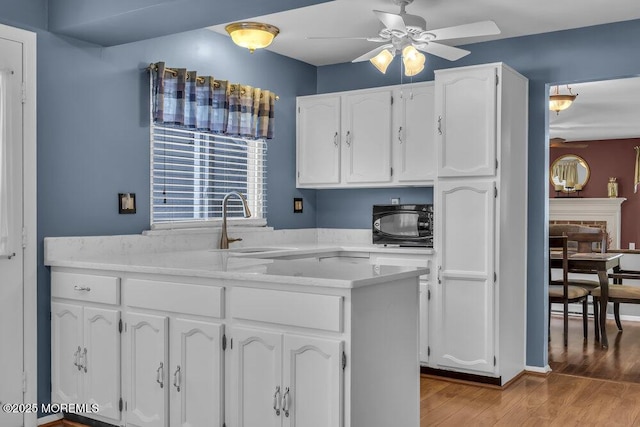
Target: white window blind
[(192, 171)]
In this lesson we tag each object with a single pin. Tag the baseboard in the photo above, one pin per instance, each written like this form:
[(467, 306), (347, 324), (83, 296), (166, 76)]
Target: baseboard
[(537, 370), (494, 382), (49, 420)]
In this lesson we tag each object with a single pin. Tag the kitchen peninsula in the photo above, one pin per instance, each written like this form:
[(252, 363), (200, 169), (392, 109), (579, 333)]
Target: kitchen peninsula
[(235, 337)]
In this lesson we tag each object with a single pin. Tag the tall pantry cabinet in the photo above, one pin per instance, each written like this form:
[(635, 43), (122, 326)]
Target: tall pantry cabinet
[(480, 201)]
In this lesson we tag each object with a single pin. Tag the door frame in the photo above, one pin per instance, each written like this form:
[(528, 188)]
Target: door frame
[(29, 218)]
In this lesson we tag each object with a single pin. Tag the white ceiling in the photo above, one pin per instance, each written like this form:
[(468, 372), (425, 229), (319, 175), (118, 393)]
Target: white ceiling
[(354, 18), (606, 110)]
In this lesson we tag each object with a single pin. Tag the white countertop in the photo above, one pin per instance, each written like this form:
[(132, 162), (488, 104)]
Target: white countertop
[(230, 265)]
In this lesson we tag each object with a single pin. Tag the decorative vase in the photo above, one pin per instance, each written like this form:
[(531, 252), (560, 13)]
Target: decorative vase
[(612, 187)]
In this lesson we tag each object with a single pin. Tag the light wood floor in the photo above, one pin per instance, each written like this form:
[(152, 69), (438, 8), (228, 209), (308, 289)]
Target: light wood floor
[(579, 391)]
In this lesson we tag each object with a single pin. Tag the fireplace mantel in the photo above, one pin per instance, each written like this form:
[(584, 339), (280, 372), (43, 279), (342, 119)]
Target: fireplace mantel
[(590, 209)]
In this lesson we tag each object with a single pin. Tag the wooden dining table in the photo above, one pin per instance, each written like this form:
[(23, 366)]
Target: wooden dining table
[(593, 261)]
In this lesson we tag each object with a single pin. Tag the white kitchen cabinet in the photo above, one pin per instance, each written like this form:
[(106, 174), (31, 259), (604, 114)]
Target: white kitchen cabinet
[(465, 121), (285, 379), (319, 136), (147, 370), (413, 142), (465, 337), (196, 362), (366, 126), (85, 344), (367, 138), (423, 328), (480, 217), (174, 365)]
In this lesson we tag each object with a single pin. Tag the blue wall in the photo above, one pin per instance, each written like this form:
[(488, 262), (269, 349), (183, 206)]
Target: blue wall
[(93, 136), (594, 53), (93, 131)]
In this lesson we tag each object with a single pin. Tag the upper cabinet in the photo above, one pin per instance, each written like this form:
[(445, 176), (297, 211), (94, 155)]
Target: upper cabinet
[(465, 114), (366, 138)]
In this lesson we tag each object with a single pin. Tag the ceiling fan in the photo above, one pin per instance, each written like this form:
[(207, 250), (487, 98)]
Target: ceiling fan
[(562, 143), (407, 33)]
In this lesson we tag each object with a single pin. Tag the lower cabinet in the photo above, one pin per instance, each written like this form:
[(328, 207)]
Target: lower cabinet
[(285, 379), (85, 357), (173, 366)]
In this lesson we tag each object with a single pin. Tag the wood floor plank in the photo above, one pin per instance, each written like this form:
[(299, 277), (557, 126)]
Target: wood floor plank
[(589, 386)]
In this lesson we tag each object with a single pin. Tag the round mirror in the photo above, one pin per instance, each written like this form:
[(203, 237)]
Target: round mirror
[(569, 173)]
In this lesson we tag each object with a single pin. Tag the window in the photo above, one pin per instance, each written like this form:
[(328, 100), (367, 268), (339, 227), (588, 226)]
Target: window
[(192, 171)]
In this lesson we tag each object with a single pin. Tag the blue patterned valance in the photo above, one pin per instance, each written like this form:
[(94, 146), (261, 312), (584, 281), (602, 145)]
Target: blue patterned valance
[(183, 98)]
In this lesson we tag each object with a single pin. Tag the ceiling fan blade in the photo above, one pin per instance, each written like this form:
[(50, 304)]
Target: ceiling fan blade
[(442, 50), (370, 39), (563, 143), (482, 28), (372, 53), (391, 20)]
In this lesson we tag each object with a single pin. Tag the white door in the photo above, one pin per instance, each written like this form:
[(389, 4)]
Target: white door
[(465, 114), (101, 360), (465, 298), (196, 374), (66, 353), (146, 356), (312, 379), (318, 140), (11, 223), (256, 373), (414, 146), (366, 130)]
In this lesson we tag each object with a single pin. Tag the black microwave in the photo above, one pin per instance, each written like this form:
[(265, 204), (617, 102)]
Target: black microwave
[(403, 225)]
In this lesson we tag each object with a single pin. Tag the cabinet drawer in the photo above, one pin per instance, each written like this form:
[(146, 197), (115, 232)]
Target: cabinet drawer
[(287, 308), (203, 300), (85, 287)]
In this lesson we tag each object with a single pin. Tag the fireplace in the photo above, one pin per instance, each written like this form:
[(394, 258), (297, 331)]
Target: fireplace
[(604, 213)]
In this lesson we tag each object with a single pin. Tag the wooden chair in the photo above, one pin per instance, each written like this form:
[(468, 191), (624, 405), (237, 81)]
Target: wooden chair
[(582, 241), (565, 293), (618, 293)]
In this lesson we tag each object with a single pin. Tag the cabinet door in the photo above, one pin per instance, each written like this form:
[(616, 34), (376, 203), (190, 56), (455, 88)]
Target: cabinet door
[(367, 131), (66, 352), (147, 373), (414, 147), (318, 140), (196, 373), (312, 382), (465, 298), (466, 122), (256, 371), (424, 322), (102, 360)]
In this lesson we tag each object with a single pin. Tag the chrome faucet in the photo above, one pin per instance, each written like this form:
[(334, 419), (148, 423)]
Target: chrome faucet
[(224, 239)]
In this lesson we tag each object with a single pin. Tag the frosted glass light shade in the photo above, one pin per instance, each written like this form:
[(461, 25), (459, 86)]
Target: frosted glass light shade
[(413, 61), (382, 60), (252, 35), (558, 103)]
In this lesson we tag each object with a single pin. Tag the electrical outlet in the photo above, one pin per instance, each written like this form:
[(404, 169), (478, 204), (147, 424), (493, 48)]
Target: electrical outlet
[(395, 201)]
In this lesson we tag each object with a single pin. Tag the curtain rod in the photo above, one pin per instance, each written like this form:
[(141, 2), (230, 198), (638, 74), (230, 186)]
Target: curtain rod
[(154, 67)]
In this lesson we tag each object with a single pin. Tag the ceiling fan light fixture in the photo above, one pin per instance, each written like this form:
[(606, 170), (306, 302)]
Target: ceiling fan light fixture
[(558, 102), (382, 60), (252, 35), (413, 61)]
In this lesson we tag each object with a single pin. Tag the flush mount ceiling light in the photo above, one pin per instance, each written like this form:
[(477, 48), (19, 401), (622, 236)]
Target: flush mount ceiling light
[(559, 102), (252, 35)]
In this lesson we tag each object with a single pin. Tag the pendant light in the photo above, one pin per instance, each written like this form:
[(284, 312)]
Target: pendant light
[(558, 102)]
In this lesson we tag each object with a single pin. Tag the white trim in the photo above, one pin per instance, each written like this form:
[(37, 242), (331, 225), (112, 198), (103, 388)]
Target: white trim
[(538, 369), (49, 419), (28, 40)]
